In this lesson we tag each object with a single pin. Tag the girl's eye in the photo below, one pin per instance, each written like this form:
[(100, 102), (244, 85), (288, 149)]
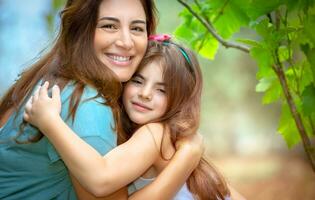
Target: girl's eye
[(161, 90), (136, 81)]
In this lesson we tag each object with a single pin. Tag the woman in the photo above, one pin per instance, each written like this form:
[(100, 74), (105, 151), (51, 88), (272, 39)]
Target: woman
[(100, 45)]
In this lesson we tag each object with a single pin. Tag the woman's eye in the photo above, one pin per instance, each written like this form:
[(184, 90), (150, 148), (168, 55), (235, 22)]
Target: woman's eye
[(138, 29), (108, 26)]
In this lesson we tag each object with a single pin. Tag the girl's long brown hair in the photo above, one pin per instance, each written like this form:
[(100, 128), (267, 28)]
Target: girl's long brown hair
[(72, 58), (183, 82)]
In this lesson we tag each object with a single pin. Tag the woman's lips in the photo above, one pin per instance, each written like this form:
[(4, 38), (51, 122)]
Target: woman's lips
[(119, 59)]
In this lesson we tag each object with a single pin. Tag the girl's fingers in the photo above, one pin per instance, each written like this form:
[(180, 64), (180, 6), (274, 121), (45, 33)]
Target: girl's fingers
[(26, 117), (30, 100), (44, 89), (56, 93), (28, 106)]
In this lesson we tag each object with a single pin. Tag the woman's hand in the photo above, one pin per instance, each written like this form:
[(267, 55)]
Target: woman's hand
[(41, 109)]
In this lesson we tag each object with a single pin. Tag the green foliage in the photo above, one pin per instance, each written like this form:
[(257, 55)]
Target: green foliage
[(285, 43), (55, 7)]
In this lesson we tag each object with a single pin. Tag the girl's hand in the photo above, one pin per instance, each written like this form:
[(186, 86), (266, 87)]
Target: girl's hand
[(194, 146), (41, 109)]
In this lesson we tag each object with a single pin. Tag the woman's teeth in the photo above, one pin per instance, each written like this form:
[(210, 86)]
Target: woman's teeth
[(120, 58)]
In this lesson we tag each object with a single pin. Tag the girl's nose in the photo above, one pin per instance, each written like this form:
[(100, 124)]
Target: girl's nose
[(146, 93)]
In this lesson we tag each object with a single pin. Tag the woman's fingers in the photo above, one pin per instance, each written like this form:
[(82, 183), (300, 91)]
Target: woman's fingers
[(36, 94), (55, 93)]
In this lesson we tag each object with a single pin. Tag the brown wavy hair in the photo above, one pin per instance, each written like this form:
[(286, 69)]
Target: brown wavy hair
[(183, 85), (72, 58)]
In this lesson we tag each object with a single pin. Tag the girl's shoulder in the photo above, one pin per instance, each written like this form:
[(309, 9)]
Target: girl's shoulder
[(153, 130)]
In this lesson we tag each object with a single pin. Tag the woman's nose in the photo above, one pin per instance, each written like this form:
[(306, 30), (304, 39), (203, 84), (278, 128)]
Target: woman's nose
[(125, 40)]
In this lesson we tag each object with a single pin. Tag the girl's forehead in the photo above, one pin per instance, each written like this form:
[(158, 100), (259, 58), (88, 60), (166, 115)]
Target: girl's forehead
[(154, 65)]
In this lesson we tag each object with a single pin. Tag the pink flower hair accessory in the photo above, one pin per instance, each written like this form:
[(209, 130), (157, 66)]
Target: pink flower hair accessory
[(160, 37)]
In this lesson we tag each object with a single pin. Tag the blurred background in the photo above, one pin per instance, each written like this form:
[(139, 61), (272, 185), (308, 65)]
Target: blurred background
[(240, 132)]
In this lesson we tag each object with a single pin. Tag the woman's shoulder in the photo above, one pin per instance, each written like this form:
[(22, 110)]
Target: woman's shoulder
[(89, 92), (90, 107)]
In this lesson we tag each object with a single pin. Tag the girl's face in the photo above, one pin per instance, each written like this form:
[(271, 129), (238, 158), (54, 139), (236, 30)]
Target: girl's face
[(144, 95), (120, 39)]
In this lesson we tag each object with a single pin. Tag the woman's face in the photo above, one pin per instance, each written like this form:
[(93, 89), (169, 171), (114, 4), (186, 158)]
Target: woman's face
[(144, 95), (121, 37)]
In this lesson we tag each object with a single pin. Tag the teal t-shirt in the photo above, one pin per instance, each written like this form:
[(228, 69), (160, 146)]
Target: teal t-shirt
[(35, 171)]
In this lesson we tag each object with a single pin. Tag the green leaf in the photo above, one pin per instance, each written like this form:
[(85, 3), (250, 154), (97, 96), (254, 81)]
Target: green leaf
[(264, 60), (264, 84), (308, 28), (283, 53), (229, 17), (287, 127), (310, 55), (209, 48), (257, 8), (272, 89), (264, 28), (273, 93), (57, 4), (196, 35), (308, 100), (184, 32)]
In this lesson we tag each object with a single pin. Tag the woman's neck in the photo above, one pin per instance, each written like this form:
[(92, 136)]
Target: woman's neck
[(6, 116)]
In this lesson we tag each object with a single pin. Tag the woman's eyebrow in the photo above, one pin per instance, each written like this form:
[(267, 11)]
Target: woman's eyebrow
[(137, 21), (109, 18)]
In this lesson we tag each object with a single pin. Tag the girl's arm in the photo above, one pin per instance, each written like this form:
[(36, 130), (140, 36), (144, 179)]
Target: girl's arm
[(175, 174), (120, 167), (83, 194)]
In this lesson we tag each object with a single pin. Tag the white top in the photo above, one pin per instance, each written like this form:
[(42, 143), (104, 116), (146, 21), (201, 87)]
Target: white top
[(183, 194)]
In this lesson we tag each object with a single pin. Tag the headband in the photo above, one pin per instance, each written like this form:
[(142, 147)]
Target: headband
[(165, 39)]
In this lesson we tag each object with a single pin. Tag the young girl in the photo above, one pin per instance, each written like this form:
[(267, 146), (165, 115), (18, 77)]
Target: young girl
[(161, 104)]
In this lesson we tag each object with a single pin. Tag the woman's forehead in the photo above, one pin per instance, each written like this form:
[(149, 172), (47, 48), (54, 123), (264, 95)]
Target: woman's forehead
[(122, 9)]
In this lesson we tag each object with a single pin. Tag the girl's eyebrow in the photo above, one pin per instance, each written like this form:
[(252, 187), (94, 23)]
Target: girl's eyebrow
[(142, 77), (138, 21), (139, 76)]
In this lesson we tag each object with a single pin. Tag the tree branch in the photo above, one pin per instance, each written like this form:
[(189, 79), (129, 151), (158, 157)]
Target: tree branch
[(296, 116), (208, 26)]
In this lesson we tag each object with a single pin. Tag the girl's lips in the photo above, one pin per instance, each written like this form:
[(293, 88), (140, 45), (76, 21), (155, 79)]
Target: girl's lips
[(140, 107)]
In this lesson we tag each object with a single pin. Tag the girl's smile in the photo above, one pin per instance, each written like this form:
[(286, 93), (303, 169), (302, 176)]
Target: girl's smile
[(144, 95)]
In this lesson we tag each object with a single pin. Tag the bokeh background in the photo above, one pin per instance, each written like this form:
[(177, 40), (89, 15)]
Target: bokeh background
[(240, 132)]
